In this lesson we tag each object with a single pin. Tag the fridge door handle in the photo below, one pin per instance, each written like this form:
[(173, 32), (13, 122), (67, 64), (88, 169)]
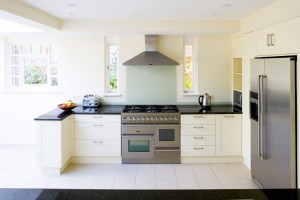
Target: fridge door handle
[(263, 133), (259, 116)]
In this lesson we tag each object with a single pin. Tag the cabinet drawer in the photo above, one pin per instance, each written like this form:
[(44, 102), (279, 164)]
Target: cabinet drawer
[(198, 119), (97, 147), (198, 129), (98, 118), (198, 150), (198, 140), (97, 131)]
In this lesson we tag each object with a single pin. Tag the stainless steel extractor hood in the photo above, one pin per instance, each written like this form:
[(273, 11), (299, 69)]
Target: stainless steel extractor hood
[(150, 56)]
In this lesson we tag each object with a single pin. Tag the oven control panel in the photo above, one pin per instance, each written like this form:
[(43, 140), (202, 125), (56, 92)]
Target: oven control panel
[(158, 118)]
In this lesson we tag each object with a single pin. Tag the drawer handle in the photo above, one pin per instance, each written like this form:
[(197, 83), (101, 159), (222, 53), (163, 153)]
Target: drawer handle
[(97, 125), (198, 138), (229, 116), (97, 117), (198, 127), (98, 142), (196, 116), (198, 148)]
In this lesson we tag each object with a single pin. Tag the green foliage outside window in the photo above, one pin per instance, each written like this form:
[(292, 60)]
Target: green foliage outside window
[(188, 73), (35, 75)]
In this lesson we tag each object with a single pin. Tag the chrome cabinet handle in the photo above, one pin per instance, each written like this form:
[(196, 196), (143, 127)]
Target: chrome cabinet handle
[(272, 39), (197, 116), (198, 138), (198, 148), (227, 116), (98, 142), (97, 117), (198, 127), (97, 125)]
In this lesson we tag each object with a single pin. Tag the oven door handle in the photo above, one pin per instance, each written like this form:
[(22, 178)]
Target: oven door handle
[(167, 149), (136, 135)]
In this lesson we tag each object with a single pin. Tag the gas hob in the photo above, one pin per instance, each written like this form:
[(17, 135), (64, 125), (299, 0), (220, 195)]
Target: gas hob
[(150, 114)]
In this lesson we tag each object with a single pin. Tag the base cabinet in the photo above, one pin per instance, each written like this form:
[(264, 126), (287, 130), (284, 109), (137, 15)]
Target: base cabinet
[(211, 135), (97, 135), (55, 143), (228, 135)]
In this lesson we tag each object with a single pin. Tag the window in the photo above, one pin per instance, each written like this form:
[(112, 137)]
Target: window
[(32, 65), (190, 71), (112, 66)]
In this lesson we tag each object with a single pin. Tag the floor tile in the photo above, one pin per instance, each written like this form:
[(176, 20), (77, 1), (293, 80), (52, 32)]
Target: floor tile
[(167, 185), (227, 179), (210, 184), (204, 172), (165, 172), (102, 183), (127, 173), (82, 182), (145, 184), (124, 184)]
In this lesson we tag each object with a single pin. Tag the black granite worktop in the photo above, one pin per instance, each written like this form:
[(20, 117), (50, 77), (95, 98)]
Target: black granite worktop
[(215, 109), (59, 114), (64, 194)]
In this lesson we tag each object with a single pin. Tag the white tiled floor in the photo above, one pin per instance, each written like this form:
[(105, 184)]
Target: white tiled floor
[(18, 170)]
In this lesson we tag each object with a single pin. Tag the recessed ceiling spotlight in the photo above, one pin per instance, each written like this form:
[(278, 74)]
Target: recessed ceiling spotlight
[(214, 14), (71, 5), (71, 14), (136, 13), (226, 5)]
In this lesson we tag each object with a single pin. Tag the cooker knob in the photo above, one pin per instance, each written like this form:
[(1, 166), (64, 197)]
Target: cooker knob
[(166, 118)]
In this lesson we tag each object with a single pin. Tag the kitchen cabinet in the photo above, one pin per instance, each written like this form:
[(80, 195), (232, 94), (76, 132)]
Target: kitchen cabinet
[(198, 135), (228, 135), (97, 135), (211, 135), (55, 144), (282, 38)]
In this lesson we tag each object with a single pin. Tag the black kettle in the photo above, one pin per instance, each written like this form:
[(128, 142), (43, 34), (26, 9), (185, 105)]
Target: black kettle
[(205, 101)]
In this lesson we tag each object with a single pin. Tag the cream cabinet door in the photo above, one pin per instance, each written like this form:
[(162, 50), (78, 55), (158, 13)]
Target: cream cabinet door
[(229, 135)]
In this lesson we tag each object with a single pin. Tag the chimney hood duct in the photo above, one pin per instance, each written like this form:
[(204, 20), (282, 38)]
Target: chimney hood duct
[(150, 56)]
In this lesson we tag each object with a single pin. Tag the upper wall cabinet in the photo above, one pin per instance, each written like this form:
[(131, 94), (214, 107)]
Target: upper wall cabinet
[(237, 50), (281, 38)]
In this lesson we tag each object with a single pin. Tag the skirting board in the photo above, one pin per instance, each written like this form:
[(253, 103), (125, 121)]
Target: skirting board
[(202, 159), (91, 159)]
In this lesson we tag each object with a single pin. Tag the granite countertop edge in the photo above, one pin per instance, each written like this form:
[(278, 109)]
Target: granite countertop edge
[(59, 115)]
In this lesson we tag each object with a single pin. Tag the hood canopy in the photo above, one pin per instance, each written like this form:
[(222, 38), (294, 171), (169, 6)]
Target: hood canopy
[(150, 56)]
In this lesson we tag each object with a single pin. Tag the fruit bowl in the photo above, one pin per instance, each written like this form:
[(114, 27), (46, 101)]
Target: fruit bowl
[(63, 106)]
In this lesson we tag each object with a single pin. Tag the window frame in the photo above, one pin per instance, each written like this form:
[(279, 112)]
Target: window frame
[(111, 41), (22, 41), (191, 41)]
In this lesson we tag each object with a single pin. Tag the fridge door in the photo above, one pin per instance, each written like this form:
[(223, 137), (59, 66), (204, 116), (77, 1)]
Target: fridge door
[(276, 168)]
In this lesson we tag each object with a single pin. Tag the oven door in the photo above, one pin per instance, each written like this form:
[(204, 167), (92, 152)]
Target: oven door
[(137, 147), (167, 135)]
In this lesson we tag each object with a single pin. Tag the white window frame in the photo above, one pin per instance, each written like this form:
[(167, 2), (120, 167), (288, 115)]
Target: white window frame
[(192, 41), (111, 41), (8, 86)]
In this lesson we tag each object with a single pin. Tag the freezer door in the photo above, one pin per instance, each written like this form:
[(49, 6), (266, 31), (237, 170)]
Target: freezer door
[(256, 68), (277, 169)]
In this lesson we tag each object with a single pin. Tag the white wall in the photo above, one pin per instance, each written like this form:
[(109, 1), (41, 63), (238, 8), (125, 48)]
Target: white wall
[(81, 62)]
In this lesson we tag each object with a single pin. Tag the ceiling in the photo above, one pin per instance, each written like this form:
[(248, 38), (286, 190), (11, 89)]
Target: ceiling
[(149, 10)]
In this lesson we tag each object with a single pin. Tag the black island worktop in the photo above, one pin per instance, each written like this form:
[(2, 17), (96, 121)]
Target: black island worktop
[(59, 114)]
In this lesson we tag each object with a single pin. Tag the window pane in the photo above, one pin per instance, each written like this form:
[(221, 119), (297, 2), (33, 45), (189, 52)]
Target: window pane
[(35, 75), (188, 68), (15, 81), (54, 82), (113, 69)]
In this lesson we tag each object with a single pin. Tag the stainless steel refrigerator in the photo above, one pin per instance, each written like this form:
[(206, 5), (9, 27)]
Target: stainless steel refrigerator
[(273, 121)]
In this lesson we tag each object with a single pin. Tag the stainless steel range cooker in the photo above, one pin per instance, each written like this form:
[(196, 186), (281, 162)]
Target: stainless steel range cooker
[(150, 134)]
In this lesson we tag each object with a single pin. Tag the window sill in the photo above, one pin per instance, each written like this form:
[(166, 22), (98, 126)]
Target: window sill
[(112, 95), (190, 94), (32, 90)]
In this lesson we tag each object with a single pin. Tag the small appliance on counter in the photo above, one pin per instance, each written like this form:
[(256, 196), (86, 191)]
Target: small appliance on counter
[(205, 101), (91, 101)]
